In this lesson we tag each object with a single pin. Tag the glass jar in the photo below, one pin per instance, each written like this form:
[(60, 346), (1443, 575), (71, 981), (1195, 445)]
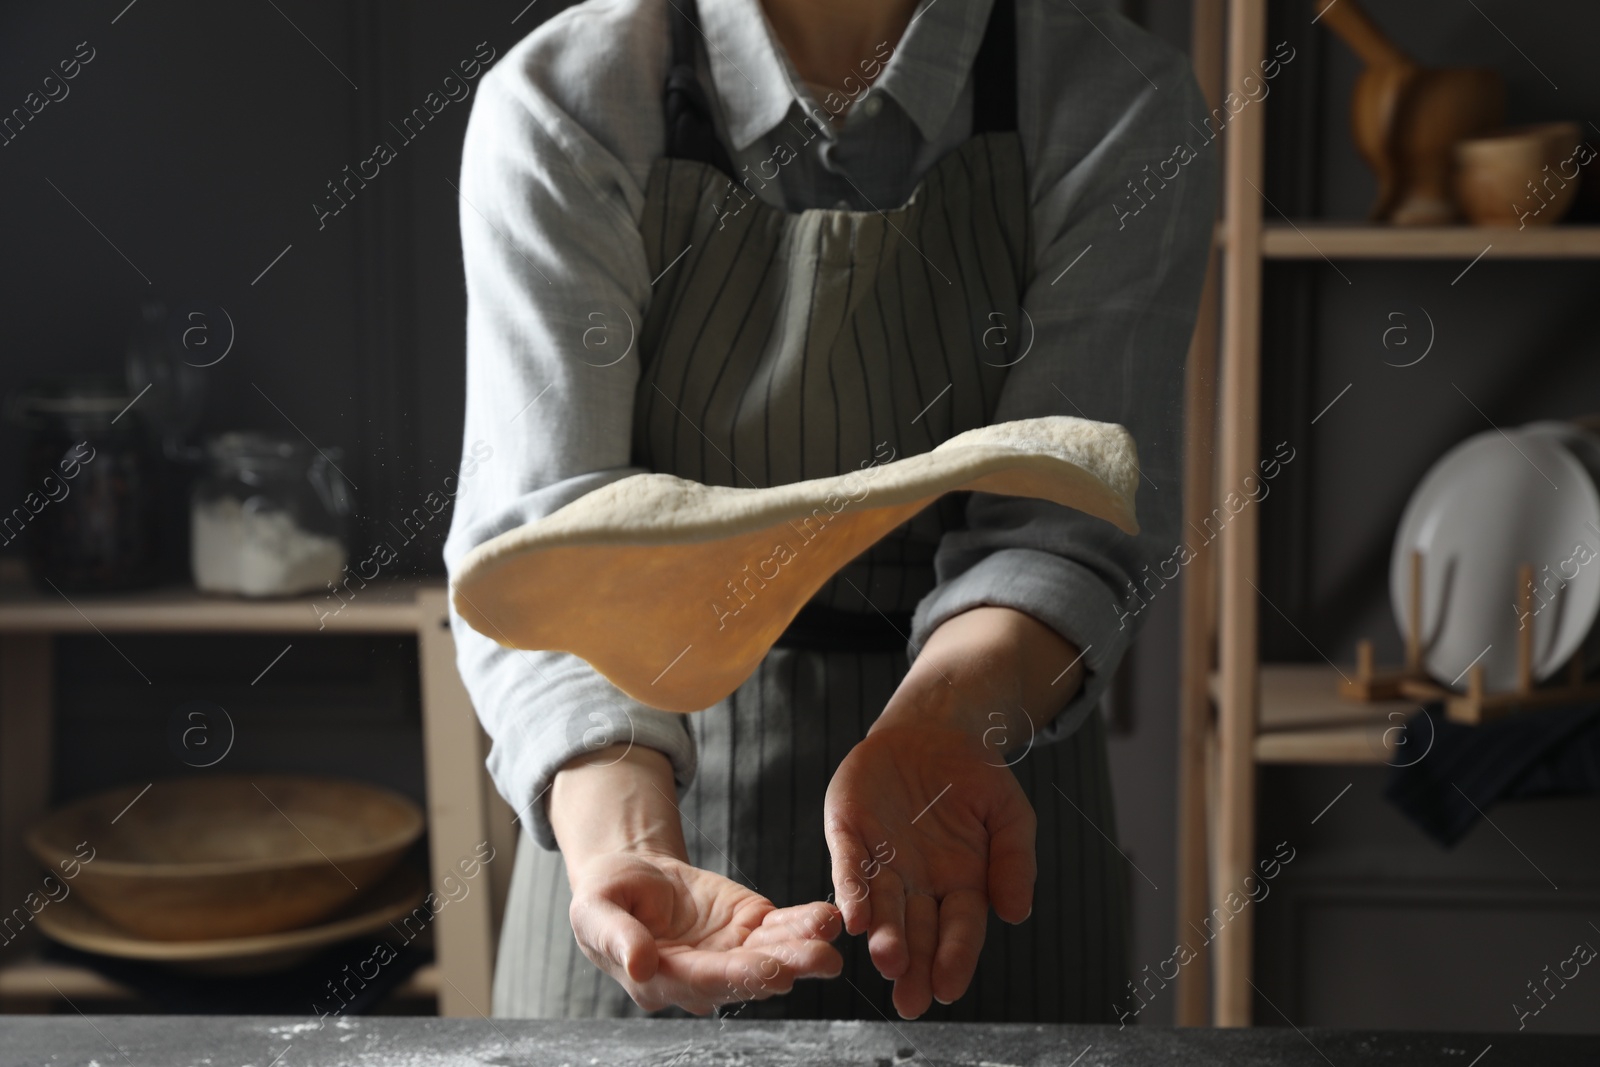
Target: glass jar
[(91, 488), (267, 518)]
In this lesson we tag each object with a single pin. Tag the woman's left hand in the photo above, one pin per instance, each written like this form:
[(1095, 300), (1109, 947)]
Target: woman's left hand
[(925, 836), (927, 826)]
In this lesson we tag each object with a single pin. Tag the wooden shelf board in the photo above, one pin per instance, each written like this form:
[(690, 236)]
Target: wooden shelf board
[(424, 982), (1350, 744), (35, 978), (382, 607), (1303, 718), (1335, 240), (30, 977), (1305, 696)]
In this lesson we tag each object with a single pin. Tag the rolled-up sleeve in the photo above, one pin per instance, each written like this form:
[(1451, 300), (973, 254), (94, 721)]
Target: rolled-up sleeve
[(556, 281), (1117, 278)]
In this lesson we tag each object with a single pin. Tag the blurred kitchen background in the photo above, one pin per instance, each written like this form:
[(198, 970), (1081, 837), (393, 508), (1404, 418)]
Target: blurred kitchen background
[(184, 167)]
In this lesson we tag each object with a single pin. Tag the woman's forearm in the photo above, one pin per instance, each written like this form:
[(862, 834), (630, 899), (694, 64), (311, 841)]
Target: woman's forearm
[(995, 670), (600, 803)]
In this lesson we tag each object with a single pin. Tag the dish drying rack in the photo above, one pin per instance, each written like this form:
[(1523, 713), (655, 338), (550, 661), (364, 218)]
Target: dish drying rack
[(1477, 705)]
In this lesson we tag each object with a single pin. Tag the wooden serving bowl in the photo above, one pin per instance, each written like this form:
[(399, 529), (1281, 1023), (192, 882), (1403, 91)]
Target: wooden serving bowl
[(395, 899), (228, 856), (1522, 177)]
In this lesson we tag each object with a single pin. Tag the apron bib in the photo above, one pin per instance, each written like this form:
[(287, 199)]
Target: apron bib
[(785, 346)]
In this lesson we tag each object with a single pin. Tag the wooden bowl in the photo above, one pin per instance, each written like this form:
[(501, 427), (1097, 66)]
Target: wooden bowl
[(398, 899), (1521, 177), (197, 859)]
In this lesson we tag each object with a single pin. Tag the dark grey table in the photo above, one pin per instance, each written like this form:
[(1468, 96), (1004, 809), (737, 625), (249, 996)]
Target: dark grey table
[(228, 1041)]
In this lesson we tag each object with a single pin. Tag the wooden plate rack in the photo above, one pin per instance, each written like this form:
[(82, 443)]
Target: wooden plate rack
[(1477, 704)]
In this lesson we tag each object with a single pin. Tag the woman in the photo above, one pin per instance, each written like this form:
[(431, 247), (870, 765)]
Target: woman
[(749, 242)]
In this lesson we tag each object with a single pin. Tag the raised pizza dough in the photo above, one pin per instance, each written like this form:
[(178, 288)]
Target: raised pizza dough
[(676, 590)]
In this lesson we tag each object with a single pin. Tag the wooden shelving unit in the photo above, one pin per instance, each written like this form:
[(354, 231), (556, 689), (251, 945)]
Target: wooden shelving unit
[(34, 979), (1304, 239), (1235, 712), (462, 807), (386, 607)]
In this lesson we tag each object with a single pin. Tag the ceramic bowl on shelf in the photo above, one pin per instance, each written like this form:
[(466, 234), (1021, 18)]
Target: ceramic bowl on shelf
[(196, 859), (1494, 502), (1521, 177)]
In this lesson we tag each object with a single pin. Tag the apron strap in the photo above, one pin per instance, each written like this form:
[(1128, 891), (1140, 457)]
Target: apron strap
[(692, 135), (824, 629), (994, 72)]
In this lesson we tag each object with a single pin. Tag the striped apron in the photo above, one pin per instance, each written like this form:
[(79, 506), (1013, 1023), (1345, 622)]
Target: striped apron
[(793, 346)]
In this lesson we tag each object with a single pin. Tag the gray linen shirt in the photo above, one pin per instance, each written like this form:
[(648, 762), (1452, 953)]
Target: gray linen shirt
[(558, 151)]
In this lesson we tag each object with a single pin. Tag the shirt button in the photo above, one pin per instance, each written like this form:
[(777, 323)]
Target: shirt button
[(842, 205), (871, 104)]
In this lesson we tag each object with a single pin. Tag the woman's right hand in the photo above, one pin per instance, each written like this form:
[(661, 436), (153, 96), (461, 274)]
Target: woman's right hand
[(667, 932), (670, 933)]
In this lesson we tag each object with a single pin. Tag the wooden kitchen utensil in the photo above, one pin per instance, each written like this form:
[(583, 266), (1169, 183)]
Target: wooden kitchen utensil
[(1406, 118)]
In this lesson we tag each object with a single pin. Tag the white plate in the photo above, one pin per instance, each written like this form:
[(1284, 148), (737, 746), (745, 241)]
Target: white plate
[(1580, 442), (1491, 503), (1585, 444)]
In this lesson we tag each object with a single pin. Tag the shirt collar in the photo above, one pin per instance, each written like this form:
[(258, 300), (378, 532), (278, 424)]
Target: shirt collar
[(748, 68), (757, 85), (931, 63)]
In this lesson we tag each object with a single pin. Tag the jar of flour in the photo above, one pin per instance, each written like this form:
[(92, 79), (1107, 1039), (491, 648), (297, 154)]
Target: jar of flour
[(267, 518)]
